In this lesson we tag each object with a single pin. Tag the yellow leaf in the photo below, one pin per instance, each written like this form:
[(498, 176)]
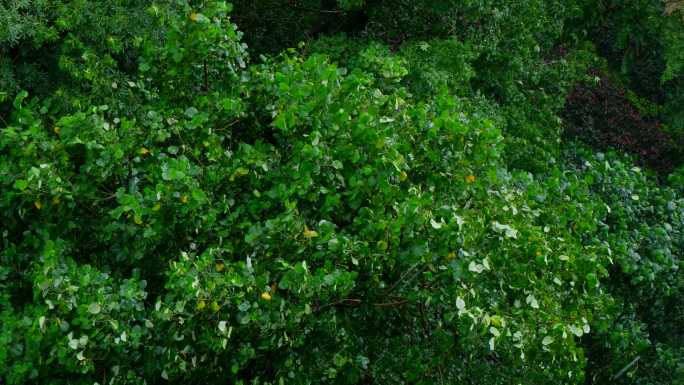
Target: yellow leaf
[(156, 207), (470, 178), (201, 305), (184, 199), (55, 200), (239, 172), (403, 176), (215, 306), (38, 205), (143, 151), (382, 245), (220, 266), (309, 233), (265, 296), (451, 255), (193, 16), (137, 220), (56, 130)]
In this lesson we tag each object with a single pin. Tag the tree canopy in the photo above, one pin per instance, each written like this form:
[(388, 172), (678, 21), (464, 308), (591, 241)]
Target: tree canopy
[(341, 192)]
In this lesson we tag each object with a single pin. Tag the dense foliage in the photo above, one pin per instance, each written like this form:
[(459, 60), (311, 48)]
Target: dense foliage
[(603, 115), (341, 192)]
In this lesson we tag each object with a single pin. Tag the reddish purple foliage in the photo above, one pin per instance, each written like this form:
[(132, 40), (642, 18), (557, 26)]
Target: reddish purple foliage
[(602, 116)]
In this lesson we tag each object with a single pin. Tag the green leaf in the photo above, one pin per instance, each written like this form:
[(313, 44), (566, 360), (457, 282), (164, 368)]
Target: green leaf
[(94, 308), (460, 304), (20, 184), (508, 231)]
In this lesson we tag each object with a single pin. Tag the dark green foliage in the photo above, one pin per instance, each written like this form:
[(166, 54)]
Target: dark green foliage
[(643, 229), (69, 47), (389, 201), (643, 42)]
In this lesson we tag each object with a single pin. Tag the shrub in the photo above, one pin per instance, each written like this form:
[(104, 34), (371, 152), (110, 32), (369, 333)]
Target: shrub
[(642, 41), (642, 230), (602, 115)]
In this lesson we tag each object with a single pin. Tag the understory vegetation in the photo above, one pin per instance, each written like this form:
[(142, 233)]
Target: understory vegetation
[(342, 192)]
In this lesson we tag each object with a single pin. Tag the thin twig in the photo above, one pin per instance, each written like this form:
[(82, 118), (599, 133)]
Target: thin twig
[(105, 198), (626, 368), (403, 277), (356, 302), (340, 302), (391, 304)]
